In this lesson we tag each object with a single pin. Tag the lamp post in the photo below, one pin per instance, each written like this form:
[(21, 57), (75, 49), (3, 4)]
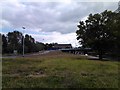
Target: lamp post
[(23, 40)]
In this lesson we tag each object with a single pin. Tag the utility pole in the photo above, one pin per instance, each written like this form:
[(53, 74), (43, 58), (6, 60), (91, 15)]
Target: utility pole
[(23, 40)]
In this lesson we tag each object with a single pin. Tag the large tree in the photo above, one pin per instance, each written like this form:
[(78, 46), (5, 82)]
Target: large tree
[(14, 41), (0, 43), (98, 31), (39, 46), (114, 27), (4, 44), (29, 44)]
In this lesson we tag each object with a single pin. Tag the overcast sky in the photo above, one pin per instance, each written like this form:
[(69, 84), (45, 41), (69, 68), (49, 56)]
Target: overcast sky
[(49, 22)]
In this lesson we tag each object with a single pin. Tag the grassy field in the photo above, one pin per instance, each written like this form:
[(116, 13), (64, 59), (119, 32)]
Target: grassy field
[(59, 70)]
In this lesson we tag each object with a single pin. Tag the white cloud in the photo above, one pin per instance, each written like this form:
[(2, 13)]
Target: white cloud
[(56, 37), (50, 15), (4, 23), (84, 18), (57, 21)]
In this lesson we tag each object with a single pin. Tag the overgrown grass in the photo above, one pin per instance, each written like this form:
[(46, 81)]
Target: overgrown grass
[(59, 71)]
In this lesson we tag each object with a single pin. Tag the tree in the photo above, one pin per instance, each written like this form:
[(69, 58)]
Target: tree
[(39, 46), (14, 41), (114, 27), (29, 44), (4, 44), (0, 43), (49, 46), (97, 33)]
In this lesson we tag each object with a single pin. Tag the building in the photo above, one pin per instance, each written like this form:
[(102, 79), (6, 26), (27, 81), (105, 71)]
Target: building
[(62, 46)]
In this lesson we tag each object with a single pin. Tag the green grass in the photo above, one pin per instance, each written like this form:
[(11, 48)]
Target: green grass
[(59, 71)]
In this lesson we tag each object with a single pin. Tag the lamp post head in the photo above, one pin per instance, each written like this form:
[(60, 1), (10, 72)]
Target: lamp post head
[(23, 27)]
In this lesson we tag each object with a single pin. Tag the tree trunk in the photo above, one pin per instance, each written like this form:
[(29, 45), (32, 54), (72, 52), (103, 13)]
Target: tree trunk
[(100, 55)]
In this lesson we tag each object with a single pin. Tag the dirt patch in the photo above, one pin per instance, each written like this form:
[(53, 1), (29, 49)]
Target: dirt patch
[(39, 75), (84, 74), (11, 75), (30, 75)]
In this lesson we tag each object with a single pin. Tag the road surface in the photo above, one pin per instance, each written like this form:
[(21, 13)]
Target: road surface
[(27, 55)]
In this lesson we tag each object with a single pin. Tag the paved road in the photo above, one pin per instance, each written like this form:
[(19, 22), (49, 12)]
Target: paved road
[(27, 55), (92, 57), (44, 52)]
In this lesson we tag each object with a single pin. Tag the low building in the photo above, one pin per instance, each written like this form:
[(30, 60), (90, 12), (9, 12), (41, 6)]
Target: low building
[(62, 46)]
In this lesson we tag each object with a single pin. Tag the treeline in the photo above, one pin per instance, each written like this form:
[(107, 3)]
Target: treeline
[(14, 41), (101, 33)]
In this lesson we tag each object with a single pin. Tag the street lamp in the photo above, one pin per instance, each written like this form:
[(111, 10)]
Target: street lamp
[(23, 40)]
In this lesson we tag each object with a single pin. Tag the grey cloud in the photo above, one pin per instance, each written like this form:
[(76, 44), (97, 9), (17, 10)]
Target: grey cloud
[(28, 16), (51, 16), (63, 28), (84, 9)]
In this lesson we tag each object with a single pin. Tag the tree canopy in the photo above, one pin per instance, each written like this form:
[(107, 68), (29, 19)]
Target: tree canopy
[(100, 32), (14, 41)]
